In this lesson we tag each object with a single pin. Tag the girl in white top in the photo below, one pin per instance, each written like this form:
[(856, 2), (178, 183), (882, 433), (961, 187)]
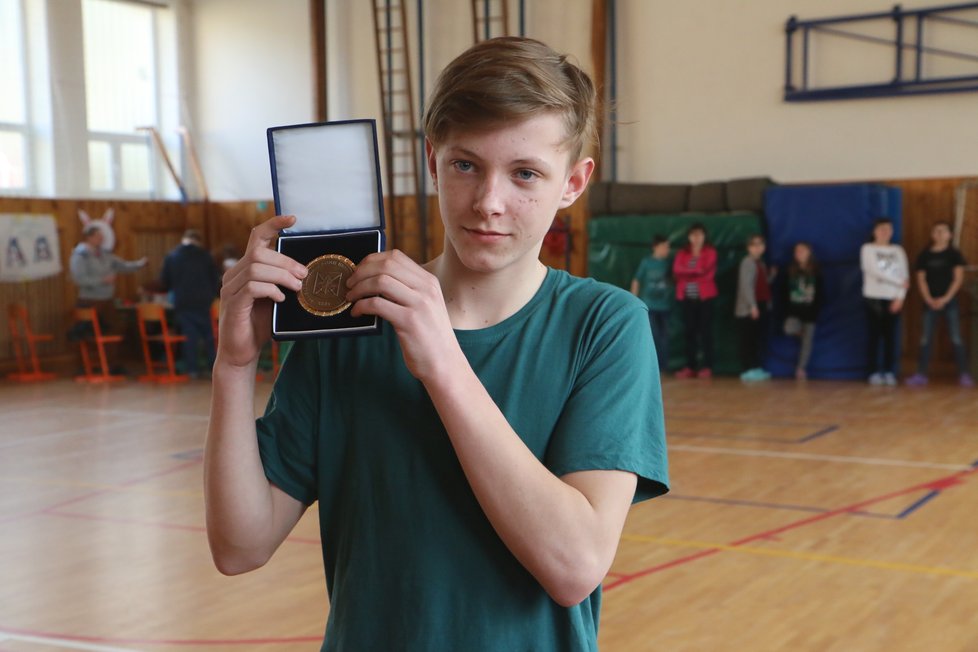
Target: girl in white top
[(886, 277)]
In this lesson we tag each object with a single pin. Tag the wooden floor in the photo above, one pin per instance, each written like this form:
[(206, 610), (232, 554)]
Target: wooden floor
[(815, 517)]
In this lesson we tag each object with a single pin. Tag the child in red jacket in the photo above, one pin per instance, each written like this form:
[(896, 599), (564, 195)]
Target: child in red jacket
[(694, 269)]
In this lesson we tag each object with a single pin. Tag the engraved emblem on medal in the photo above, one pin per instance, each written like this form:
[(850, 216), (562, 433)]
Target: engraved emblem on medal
[(323, 290)]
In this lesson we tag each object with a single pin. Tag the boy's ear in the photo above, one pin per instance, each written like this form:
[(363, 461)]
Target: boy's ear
[(429, 155), (580, 174)]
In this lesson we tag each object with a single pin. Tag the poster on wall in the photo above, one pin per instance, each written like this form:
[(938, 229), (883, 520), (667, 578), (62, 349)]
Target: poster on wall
[(28, 247)]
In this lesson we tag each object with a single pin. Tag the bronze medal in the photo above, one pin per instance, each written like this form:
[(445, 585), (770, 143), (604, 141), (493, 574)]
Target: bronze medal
[(323, 290)]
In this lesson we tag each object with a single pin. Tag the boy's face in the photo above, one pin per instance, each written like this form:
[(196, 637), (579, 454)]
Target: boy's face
[(755, 248), (500, 187), (941, 235), (883, 233), (661, 250)]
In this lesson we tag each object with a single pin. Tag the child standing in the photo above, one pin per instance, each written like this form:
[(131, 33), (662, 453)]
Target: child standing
[(940, 271), (525, 471), (751, 309), (651, 285), (886, 277), (694, 269), (803, 298)]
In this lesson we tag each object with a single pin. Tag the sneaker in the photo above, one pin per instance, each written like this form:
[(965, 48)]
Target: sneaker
[(685, 372), (889, 379), (876, 379), (917, 380), (704, 374), (965, 380), (800, 374), (754, 375)]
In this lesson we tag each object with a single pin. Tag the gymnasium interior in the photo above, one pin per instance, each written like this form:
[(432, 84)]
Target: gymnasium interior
[(825, 514)]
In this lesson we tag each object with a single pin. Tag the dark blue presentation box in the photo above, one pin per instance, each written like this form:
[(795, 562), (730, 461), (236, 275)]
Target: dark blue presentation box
[(327, 174)]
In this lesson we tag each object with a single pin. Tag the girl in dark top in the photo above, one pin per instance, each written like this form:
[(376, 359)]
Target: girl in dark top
[(803, 298), (693, 269), (940, 271)]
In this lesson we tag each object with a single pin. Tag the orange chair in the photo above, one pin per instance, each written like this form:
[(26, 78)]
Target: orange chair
[(23, 339), (215, 315), (104, 375), (147, 313)]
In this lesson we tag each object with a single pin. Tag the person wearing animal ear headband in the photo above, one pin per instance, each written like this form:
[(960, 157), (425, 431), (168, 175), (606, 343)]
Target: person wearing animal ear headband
[(93, 270)]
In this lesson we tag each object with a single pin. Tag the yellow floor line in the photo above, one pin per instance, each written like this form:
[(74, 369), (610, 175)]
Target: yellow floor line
[(807, 556)]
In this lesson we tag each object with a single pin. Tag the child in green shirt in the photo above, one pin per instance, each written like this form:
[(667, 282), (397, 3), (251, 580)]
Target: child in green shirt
[(651, 284)]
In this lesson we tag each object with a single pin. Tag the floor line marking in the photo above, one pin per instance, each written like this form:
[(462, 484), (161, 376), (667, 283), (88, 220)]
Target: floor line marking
[(77, 641), (99, 492), (141, 421), (939, 483), (814, 457), (807, 556), (155, 524), (61, 642)]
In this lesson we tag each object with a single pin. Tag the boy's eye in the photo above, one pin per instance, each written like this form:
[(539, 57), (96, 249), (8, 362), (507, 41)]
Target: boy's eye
[(526, 175), (462, 166)]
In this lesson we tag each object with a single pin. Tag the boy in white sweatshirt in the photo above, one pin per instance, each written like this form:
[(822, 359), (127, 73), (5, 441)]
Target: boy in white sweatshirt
[(886, 277)]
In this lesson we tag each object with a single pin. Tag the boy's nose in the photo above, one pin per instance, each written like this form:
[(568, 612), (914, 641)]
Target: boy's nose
[(488, 199)]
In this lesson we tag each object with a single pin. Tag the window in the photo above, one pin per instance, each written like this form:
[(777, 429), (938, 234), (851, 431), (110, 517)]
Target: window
[(14, 146), (121, 95)]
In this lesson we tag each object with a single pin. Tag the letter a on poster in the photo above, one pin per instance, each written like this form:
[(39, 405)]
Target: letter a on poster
[(29, 247)]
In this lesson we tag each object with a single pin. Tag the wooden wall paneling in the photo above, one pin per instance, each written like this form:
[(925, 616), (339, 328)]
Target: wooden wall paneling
[(926, 201)]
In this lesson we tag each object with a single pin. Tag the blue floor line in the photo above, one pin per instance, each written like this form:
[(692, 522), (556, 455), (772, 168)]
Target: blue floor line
[(816, 435), (920, 503)]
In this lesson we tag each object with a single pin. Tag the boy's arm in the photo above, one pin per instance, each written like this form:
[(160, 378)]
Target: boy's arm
[(956, 280), (127, 266), (565, 530), (634, 286), (247, 517), (922, 286), (746, 277)]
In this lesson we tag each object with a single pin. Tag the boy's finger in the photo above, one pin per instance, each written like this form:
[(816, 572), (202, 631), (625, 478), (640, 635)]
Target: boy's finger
[(263, 234)]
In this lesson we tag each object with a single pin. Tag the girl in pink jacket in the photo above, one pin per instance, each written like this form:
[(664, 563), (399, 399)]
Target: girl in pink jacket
[(694, 268)]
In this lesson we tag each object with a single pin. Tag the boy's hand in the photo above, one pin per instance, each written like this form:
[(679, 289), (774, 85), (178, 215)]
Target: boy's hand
[(248, 291), (755, 313), (896, 305), (395, 288)]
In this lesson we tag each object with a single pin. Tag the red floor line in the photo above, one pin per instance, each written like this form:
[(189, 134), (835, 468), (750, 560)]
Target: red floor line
[(625, 579), (939, 483), (98, 492)]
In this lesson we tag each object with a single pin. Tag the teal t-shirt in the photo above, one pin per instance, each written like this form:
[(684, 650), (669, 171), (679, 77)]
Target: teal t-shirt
[(411, 561), (653, 283)]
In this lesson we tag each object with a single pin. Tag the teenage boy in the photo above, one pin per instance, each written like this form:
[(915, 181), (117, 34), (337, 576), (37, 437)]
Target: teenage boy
[(651, 285), (475, 462), (940, 273)]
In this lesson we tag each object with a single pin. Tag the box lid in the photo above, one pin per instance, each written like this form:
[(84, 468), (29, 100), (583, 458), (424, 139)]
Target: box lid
[(327, 174)]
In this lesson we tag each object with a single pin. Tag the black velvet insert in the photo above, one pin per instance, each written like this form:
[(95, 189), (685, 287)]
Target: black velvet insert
[(292, 320)]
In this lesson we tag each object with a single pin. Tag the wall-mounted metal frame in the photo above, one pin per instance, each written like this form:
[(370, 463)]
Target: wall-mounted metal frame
[(907, 80)]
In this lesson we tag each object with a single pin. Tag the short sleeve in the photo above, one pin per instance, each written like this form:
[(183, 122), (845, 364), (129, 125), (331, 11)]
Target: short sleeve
[(921, 264), (288, 431), (613, 418), (959, 260)]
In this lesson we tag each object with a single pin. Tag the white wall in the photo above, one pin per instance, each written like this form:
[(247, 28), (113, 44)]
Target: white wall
[(700, 88), (699, 82), (253, 70)]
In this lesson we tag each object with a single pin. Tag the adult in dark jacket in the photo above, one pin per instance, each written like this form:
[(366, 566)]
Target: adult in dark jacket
[(190, 274)]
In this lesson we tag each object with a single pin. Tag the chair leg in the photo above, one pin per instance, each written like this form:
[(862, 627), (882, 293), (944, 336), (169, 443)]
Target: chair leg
[(150, 375)]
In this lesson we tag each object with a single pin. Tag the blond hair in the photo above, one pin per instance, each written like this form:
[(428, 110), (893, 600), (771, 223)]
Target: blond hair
[(510, 79)]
